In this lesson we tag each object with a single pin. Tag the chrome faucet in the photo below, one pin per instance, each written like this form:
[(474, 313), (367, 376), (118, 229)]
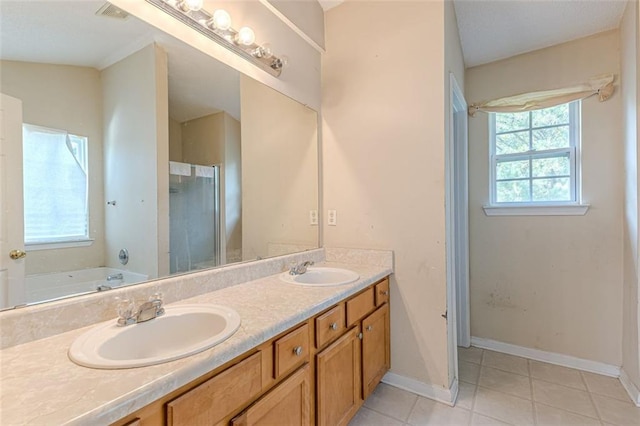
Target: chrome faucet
[(300, 268), (114, 277), (129, 314)]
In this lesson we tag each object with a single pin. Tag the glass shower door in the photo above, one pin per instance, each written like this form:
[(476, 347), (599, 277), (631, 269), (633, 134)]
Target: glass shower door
[(194, 217)]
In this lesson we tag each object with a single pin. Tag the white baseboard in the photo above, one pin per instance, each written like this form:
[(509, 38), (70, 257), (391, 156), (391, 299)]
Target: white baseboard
[(631, 388), (550, 357), (437, 393)]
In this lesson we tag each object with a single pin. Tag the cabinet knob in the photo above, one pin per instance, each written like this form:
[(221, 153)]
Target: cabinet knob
[(360, 336), (297, 350), (384, 292), (369, 327), (334, 326)]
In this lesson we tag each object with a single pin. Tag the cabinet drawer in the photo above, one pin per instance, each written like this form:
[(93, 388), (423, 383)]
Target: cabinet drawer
[(292, 350), (329, 325), (382, 292), (218, 397), (359, 306)]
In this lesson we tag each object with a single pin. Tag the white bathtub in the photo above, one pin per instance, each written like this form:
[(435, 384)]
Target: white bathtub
[(41, 287)]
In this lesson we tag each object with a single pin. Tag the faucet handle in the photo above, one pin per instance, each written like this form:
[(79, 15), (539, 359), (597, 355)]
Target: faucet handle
[(157, 302), (156, 297), (125, 308)]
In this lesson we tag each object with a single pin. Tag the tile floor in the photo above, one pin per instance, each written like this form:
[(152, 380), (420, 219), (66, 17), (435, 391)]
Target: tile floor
[(500, 389)]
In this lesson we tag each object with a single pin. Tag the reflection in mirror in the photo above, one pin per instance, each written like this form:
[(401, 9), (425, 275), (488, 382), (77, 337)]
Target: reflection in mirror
[(143, 157)]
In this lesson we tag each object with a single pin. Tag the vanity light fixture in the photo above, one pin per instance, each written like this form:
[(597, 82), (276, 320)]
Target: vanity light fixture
[(217, 27)]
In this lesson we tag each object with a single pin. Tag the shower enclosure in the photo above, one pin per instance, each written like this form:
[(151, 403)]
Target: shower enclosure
[(194, 211)]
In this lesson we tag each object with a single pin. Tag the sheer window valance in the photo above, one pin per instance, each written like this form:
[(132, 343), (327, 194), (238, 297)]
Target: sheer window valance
[(601, 85)]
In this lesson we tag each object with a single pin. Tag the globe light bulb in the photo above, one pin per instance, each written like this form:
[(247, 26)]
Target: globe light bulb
[(246, 36), (193, 5), (267, 51), (221, 20)]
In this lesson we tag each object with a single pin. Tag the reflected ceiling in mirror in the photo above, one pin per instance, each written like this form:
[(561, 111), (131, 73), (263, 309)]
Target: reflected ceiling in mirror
[(186, 163)]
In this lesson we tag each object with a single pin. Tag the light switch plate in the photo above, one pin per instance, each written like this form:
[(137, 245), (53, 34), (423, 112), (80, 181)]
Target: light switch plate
[(332, 218), (313, 217)]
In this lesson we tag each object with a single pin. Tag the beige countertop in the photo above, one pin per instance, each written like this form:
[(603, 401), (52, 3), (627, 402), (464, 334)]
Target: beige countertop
[(40, 385)]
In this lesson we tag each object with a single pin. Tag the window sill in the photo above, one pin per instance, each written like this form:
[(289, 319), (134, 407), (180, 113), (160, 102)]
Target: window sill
[(530, 210), (58, 245)]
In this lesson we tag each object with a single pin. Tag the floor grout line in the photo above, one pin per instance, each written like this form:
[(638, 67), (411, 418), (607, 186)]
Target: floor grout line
[(475, 389), (413, 407), (593, 402), (533, 398), (383, 414)]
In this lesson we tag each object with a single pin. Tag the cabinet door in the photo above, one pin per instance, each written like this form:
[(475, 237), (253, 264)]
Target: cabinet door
[(375, 349), (338, 380), (288, 404)]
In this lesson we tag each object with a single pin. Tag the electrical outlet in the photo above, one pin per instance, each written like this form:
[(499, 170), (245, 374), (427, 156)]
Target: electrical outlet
[(332, 218), (313, 217)]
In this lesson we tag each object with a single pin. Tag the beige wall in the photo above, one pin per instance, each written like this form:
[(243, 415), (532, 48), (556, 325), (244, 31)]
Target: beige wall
[(630, 55), (203, 140), (551, 283), (279, 170), (136, 161), (232, 178), (68, 98), (307, 15), (383, 161), (175, 140)]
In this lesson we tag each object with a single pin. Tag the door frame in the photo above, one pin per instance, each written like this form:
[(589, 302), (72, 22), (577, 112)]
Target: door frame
[(461, 152), (457, 229)]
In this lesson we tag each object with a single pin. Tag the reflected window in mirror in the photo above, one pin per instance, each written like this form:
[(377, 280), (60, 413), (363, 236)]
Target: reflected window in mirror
[(55, 186)]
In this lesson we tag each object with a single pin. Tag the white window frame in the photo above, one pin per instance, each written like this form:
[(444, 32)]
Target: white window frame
[(569, 207), (75, 240)]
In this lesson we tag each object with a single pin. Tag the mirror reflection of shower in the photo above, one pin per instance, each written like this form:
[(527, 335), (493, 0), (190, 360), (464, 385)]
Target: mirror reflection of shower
[(194, 217)]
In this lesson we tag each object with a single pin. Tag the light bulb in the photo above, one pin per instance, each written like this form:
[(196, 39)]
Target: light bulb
[(280, 63), (246, 36), (221, 20), (266, 50), (193, 5)]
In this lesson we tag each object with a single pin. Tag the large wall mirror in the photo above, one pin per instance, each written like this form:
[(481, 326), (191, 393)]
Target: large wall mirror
[(139, 156)]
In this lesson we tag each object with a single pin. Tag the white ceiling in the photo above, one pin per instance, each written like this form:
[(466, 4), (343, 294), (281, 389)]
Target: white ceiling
[(496, 29), (69, 33)]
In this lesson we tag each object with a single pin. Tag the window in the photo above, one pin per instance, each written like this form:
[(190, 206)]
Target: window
[(55, 186), (535, 157)]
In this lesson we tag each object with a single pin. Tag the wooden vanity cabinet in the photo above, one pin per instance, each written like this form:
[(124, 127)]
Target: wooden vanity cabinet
[(319, 371), (288, 404), (348, 370), (338, 380), (376, 353)]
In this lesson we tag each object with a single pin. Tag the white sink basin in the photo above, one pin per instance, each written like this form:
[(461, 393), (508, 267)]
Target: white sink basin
[(182, 331), (320, 276)]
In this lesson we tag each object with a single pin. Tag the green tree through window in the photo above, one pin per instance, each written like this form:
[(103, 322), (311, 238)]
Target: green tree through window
[(534, 156)]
